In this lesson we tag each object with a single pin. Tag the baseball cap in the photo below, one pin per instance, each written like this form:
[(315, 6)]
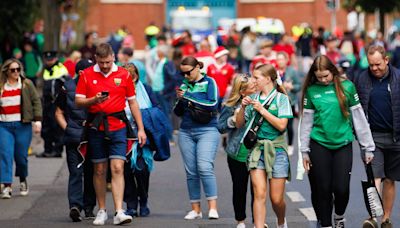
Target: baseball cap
[(49, 55), (83, 64)]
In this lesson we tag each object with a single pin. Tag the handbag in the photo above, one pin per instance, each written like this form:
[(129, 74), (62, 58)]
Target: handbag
[(372, 199), (200, 115), (251, 137)]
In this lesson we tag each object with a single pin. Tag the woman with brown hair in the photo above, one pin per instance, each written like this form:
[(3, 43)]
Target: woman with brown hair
[(197, 103), (242, 86), (268, 160), (20, 106), (330, 109)]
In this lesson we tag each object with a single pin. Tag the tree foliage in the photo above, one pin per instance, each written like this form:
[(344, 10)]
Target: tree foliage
[(386, 6), (16, 18)]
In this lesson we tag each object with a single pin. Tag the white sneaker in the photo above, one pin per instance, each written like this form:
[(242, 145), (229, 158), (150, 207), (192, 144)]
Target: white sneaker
[(193, 215), (101, 218), (290, 150), (23, 189), (284, 225), (241, 225), (6, 193), (213, 214), (121, 218)]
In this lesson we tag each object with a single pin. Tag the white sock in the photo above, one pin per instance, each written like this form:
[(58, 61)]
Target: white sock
[(338, 217)]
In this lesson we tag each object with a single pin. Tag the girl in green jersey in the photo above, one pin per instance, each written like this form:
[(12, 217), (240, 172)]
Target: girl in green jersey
[(330, 112), (268, 160)]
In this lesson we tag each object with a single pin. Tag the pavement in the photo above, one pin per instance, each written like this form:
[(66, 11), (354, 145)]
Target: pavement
[(47, 204)]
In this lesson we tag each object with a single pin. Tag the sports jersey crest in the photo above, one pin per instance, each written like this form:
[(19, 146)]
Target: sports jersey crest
[(117, 81)]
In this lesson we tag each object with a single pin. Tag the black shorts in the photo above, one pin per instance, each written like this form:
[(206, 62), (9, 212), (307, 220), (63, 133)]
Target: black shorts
[(386, 162)]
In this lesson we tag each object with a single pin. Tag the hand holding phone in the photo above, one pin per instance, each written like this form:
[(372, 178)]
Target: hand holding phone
[(105, 93)]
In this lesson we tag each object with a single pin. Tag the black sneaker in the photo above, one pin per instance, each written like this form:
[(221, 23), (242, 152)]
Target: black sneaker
[(370, 223), (339, 222), (386, 224), (23, 189), (75, 214), (49, 155), (89, 213)]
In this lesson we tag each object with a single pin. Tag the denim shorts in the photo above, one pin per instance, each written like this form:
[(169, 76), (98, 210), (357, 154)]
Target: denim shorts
[(103, 149), (280, 169)]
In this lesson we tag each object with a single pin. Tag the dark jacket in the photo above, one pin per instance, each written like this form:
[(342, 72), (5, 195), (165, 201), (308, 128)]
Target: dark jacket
[(172, 80), (157, 126), (363, 84), (74, 116)]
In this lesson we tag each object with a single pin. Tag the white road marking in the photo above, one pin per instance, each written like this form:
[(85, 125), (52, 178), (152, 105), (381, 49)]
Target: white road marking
[(309, 213), (295, 196)]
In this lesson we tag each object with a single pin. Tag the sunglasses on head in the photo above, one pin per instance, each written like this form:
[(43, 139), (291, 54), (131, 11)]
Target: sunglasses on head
[(187, 72), (13, 70), (245, 77)]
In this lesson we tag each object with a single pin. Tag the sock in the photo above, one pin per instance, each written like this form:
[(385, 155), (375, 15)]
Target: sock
[(338, 217), (22, 179)]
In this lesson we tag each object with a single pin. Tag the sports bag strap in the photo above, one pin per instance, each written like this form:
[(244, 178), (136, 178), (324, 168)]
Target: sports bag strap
[(266, 106)]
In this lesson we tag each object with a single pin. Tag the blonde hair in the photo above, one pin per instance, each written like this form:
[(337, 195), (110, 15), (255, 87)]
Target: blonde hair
[(4, 69), (239, 85)]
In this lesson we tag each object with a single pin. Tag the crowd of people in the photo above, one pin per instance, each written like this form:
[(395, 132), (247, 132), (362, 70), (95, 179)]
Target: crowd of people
[(116, 114)]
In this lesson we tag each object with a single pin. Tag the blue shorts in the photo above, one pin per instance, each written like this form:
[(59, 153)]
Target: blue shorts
[(103, 149), (280, 169)]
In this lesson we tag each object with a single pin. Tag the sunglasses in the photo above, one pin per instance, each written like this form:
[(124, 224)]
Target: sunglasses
[(183, 73), (14, 70), (245, 78)]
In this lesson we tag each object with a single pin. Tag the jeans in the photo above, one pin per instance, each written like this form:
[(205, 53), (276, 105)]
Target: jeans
[(81, 192), (15, 139), (199, 147)]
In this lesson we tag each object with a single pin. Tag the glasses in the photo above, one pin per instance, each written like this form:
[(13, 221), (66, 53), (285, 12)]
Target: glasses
[(14, 70), (183, 73)]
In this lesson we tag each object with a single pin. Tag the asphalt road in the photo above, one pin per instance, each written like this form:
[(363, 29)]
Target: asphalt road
[(47, 206)]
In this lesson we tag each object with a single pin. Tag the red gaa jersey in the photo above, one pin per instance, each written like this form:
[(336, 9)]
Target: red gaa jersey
[(222, 76), (118, 82)]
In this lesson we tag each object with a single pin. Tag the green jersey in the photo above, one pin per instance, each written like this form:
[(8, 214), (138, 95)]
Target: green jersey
[(330, 127), (279, 107)]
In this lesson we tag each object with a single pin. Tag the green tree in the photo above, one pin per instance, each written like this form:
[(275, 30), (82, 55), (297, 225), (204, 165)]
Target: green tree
[(16, 18), (51, 14), (369, 6)]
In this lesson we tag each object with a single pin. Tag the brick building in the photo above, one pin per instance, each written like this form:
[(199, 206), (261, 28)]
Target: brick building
[(105, 16)]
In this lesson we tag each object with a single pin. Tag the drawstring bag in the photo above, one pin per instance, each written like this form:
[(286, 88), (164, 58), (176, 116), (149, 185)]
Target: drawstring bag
[(372, 199)]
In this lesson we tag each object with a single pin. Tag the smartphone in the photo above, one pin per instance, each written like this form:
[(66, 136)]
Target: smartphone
[(105, 93)]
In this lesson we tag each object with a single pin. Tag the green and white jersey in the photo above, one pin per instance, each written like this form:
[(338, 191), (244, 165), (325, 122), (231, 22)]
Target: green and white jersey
[(330, 127), (279, 107)]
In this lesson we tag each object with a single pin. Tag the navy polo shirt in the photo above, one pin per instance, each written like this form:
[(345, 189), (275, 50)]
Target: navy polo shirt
[(380, 113)]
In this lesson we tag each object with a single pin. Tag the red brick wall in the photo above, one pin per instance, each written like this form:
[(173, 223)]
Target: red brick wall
[(294, 13), (105, 18)]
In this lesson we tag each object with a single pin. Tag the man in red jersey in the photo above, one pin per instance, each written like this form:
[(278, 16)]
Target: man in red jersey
[(221, 71), (104, 89)]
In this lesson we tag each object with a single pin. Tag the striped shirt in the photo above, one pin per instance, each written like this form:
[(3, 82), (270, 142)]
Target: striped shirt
[(10, 102)]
